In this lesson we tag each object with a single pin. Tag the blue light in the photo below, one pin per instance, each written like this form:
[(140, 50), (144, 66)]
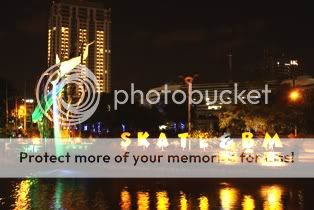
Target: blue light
[(98, 128), (181, 126)]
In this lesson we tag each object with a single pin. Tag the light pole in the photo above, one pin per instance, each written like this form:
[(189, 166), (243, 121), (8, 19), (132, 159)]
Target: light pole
[(189, 81), (24, 117), (293, 64), (295, 96), (6, 106)]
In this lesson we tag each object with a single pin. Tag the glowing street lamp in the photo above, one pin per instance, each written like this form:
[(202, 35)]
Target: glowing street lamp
[(295, 95)]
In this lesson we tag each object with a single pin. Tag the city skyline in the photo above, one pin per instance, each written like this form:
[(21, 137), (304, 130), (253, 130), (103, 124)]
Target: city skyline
[(154, 44)]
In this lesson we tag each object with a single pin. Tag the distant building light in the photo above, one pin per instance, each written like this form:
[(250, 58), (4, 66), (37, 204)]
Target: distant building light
[(162, 127), (214, 107), (123, 127), (30, 101), (294, 63)]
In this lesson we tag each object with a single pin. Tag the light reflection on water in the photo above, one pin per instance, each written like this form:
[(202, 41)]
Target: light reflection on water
[(22, 198), (272, 196), (143, 200), (204, 205), (228, 197), (183, 201), (162, 200), (76, 194), (125, 200), (248, 202)]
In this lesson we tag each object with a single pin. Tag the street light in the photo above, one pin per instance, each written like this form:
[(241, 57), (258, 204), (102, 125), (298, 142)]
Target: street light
[(189, 81), (295, 96)]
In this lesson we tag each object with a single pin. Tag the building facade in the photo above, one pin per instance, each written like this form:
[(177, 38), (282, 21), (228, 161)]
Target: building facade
[(75, 23), (205, 111)]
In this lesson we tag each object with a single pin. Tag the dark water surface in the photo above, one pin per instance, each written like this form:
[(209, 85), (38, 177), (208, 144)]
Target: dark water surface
[(161, 194)]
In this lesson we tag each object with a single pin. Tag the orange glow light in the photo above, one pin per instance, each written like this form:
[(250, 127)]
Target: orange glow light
[(295, 95)]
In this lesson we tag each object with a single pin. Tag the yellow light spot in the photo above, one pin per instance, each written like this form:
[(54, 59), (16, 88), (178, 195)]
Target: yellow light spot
[(204, 204), (295, 95), (162, 200), (143, 200), (125, 200), (248, 203), (228, 198), (183, 202), (272, 196)]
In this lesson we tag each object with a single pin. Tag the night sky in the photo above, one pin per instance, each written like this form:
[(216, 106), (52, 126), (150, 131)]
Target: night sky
[(154, 42)]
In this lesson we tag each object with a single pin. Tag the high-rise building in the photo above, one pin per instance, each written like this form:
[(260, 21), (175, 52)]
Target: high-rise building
[(75, 23)]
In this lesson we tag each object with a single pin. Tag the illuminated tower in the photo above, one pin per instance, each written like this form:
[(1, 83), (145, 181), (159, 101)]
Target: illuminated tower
[(73, 24)]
